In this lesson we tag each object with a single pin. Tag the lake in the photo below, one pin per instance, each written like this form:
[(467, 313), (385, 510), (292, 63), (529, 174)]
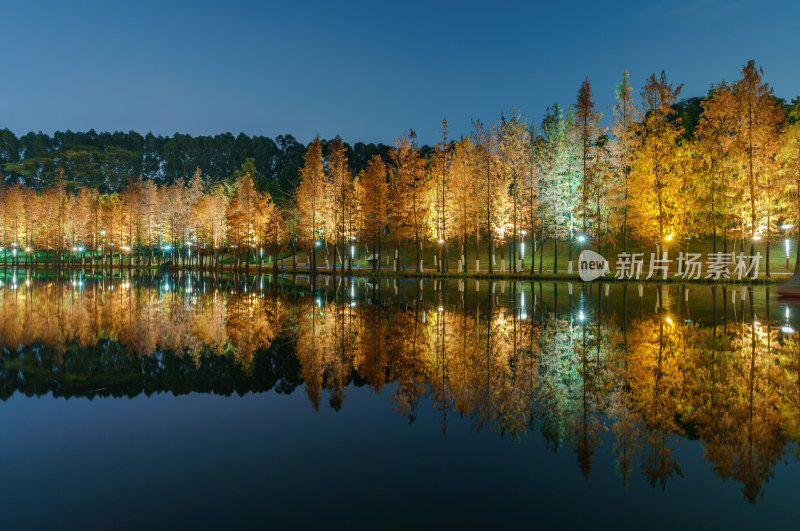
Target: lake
[(148, 400)]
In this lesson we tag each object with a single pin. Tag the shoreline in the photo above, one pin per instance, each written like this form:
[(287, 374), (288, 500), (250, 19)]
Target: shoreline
[(775, 278)]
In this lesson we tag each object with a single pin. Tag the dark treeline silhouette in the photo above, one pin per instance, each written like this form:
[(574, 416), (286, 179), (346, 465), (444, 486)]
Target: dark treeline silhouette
[(107, 161), (108, 369)]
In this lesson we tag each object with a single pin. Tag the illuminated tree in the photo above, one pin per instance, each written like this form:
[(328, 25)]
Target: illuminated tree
[(553, 152), (338, 200), (176, 213), (310, 198), (622, 149), (495, 203), (714, 147), (514, 164), (209, 220), (463, 205), (240, 218), (587, 132), (268, 226), (757, 115), (115, 213), (655, 188), (790, 159), (372, 194), (408, 189), (438, 213)]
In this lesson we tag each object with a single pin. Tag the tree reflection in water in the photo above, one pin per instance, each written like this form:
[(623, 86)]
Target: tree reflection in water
[(637, 370)]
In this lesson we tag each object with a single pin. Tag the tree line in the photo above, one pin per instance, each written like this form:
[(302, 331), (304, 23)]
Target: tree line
[(724, 167)]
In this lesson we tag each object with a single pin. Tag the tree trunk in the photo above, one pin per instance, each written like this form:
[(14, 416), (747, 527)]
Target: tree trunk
[(555, 255)]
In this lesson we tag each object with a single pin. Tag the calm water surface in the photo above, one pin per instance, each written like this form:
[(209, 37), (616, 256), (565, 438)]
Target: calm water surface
[(216, 402)]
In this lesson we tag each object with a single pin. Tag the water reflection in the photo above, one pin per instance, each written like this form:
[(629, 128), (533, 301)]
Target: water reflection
[(630, 370)]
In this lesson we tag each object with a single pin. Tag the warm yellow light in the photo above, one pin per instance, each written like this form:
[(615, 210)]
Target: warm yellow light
[(756, 237), (669, 321), (669, 237)]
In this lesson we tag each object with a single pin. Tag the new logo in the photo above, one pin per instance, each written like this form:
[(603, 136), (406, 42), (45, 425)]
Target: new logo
[(591, 265)]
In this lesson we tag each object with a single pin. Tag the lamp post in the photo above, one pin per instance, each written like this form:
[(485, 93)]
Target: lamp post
[(102, 246), (786, 227)]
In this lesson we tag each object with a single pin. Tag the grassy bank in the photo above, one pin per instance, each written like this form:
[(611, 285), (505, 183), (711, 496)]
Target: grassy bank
[(544, 261)]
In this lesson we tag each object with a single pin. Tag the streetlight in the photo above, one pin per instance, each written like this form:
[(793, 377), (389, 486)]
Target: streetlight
[(785, 227)]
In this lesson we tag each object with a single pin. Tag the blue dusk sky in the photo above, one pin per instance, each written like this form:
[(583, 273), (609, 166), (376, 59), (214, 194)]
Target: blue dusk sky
[(367, 71)]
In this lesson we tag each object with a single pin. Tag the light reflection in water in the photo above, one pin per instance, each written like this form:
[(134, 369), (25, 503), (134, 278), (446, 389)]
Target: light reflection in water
[(640, 368)]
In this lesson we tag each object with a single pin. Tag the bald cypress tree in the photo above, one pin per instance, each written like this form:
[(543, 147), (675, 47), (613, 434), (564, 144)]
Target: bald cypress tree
[(372, 194), (757, 116), (310, 198), (622, 149), (587, 131)]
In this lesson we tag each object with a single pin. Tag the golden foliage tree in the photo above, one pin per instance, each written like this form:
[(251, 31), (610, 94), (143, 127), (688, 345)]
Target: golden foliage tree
[(372, 193), (655, 189), (310, 198)]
